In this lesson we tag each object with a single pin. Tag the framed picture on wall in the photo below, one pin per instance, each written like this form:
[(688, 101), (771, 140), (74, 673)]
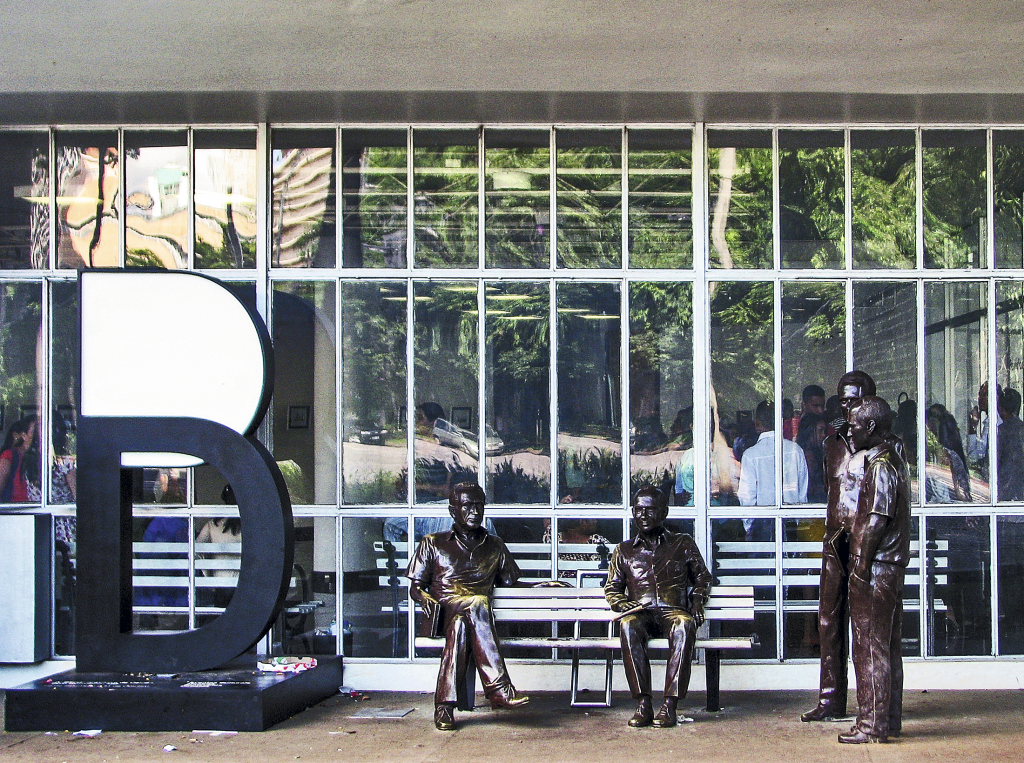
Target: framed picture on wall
[(462, 417), (298, 417)]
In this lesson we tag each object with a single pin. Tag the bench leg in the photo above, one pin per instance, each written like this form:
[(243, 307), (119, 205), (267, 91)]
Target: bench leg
[(576, 681), (713, 671)]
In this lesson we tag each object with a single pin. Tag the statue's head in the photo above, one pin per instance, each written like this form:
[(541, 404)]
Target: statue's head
[(870, 422), (853, 386), (650, 508), (466, 505)]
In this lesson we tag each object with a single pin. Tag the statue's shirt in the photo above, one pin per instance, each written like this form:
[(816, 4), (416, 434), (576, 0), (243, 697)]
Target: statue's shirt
[(449, 564), (659, 574), (885, 490)]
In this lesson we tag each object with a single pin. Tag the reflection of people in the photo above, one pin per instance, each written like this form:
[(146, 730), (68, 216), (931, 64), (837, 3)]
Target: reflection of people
[(810, 438), (426, 414), (757, 474), (1010, 448), (660, 578), (879, 554), (843, 491), (13, 482), (945, 451), (452, 575), (222, 530)]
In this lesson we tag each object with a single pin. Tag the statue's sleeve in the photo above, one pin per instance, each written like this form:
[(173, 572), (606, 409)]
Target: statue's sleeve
[(421, 564), (699, 574), (878, 491), (508, 570), (615, 587)]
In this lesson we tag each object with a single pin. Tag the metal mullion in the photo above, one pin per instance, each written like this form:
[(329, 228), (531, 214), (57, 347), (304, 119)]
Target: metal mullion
[(848, 203), (262, 217), (192, 570), (481, 381), (919, 198), (481, 202), (700, 300), (190, 253), (624, 389), (552, 202), (51, 254), (925, 587), (990, 216), (624, 162), (339, 204), (993, 449), (553, 389), (994, 580), (410, 204), (339, 393), (410, 399), (922, 458), (44, 427), (776, 226), (849, 295), (119, 203), (780, 617), (777, 386)]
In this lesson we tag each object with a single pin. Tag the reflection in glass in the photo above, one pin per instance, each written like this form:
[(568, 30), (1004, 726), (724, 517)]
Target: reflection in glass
[(959, 586), (813, 355), (87, 168), (742, 375), (374, 366), (661, 388), (589, 397), (1011, 584), (225, 199), (24, 201), (588, 177), (20, 326), (517, 439), (954, 196), (660, 199), (955, 357), (883, 173), (373, 604), (304, 406), (218, 552), (801, 562), (64, 365), (446, 387), (585, 546), (309, 623), (445, 172), (375, 186), (64, 582), (302, 199), (518, 198), (743, 553), (156, 200), (1008, 197), (740, 198), (811, 199), (160, 563), (1010, 365), (885, 347)]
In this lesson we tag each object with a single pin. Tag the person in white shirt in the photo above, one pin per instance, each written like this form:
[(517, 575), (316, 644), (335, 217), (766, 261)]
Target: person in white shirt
[(757, 476)]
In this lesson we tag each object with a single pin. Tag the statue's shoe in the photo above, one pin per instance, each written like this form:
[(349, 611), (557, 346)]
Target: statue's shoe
[(444, 717), (506, 697), (821, 713), (856, 736)]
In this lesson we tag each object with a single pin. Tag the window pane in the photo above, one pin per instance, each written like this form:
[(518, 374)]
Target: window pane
[(445, 167), (518, 195), (801, 561), (811, 199), (218, 554), (660, 199), (517, 443), (160, 562), (24, 201), (375, 554), (813, 356), (446, 387), (1010, 362), (375, 184), (1011, 584), (740, 199), (589, 196), (87, 182), (589, 397), (20, 460), (225, 200), (308, 625), (1008, 193), (885, 347), (585, 547), (956, 348), (882, 191), (302, 199), (374, 366), (742, 376), (661, 388), (64, 366), (744, 554), (305, 404), (958, 586), (156, 201), (954, 199)]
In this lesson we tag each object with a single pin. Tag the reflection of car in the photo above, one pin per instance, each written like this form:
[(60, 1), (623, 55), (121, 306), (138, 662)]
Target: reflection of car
[(366, 433), (453, 436)]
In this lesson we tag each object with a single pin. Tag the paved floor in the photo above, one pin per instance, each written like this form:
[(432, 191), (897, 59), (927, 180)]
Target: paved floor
[(943, 726)]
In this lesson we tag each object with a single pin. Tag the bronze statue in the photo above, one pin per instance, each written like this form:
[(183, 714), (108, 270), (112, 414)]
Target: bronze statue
[(833, 603), (452, 575), (879, 554), (659, 580)]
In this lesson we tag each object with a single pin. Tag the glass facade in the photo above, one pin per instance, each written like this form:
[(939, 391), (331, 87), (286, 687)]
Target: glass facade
[(565, 314)]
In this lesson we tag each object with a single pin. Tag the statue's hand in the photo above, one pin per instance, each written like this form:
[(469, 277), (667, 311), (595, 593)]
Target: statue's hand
[(697, 610), (551, 584), (625, 606), (430, 605)]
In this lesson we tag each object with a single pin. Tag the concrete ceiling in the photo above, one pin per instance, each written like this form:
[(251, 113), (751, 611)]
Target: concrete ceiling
[(408, 59)]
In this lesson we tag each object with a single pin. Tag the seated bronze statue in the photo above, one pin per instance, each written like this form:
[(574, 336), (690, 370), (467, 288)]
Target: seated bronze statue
[(659, 583)]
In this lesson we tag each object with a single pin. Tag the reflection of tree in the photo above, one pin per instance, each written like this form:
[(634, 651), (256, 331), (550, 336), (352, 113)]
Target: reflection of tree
[(373, 347), (19, 334), (884, 229), (660, 212), (589, 185), (811, 207), (1008, 190), (374, 184), (954, 206)]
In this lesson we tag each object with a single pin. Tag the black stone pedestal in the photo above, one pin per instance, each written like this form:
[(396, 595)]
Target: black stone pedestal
[(228, 700)]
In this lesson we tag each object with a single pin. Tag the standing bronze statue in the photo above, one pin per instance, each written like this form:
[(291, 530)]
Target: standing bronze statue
[(659, 578), (843, 483), (452, 575), (879, 554)]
